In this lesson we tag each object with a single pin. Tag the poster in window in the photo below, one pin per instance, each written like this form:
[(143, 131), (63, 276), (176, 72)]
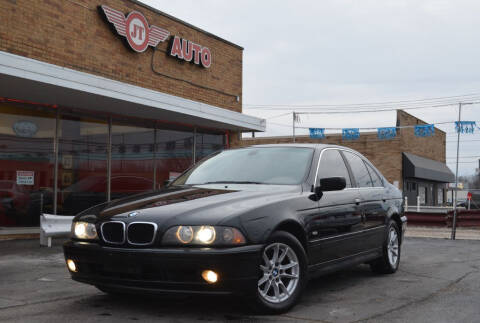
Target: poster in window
[(67, 179), (67, 161), (25, 177)]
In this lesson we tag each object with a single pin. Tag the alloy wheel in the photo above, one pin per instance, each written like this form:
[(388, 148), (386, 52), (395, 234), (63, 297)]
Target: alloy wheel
[(393, 247), (280, 273)]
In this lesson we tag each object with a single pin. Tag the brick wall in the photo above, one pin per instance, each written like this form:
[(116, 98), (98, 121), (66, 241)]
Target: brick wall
[(386, 155), (429, 147), (74, 34)]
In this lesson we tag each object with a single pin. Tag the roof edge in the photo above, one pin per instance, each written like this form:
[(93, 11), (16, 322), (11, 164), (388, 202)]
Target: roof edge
[(157, 11), (424, 122)]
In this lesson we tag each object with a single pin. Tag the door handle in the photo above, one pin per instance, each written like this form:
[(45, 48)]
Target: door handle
[(357, 201)]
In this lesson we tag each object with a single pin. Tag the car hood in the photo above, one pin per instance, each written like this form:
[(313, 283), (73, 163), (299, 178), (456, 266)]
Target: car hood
[(191, 205)]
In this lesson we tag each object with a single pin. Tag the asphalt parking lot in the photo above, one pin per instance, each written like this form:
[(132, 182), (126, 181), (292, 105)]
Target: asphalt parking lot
[(438, 281)]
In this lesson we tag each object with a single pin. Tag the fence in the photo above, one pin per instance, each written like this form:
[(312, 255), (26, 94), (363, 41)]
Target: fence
[(444, 218)]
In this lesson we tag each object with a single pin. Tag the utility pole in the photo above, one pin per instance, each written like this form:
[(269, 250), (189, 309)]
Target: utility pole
[(454, 224), (293, 124)]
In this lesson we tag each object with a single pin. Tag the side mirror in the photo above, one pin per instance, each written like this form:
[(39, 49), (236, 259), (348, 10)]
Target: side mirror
[(328, 184), (332, 184)]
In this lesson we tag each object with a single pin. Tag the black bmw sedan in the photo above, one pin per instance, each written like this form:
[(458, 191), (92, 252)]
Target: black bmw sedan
[(256, 221)]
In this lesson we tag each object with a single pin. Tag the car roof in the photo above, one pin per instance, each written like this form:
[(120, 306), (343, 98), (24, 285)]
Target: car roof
[(302, 145)]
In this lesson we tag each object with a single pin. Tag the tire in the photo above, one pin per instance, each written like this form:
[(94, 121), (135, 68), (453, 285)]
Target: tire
[(280, 284), (391, 248)]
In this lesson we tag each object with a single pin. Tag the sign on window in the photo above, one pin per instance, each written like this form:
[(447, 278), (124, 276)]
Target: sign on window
[(25, 177)]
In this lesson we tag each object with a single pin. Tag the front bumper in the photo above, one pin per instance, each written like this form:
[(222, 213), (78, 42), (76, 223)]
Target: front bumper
[(172, 270)]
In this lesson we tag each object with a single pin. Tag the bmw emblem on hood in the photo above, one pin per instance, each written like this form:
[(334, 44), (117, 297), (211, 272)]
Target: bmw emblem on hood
[(132, 214)]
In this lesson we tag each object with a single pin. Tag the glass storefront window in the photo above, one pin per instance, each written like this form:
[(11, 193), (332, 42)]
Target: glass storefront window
[(207, 144), (422, 192), (440, 196), (174, 154), (82, 163), (26, 164), (132, 160), (142, 158)]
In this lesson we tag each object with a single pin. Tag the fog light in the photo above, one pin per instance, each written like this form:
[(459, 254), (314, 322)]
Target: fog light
[(71, 265), (210, 276)]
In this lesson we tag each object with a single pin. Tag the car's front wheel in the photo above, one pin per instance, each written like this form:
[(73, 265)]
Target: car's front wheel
[(282, 274)]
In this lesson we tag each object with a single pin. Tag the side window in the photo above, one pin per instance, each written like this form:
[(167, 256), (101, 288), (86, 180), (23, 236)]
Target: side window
[(359, 170), (332, 165), (377, 181)]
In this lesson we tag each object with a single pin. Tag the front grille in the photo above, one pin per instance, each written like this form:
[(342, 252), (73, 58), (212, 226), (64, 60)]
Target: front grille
[(113, 232), (141, 233)]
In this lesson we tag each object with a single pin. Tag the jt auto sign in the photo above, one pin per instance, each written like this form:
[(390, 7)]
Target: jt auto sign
[(139, 34)]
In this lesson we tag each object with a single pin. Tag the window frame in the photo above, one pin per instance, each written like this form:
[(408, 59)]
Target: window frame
[(366, 162), (370, 166), (350, 174)]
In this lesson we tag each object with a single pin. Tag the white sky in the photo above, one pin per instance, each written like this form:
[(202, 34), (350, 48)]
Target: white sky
[(348, 51)]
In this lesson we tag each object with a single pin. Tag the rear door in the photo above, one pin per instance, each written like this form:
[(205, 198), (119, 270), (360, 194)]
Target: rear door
[(370, 188), (333, 231)]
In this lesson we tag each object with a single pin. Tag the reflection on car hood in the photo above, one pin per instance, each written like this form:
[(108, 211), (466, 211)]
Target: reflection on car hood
[(192, 205)]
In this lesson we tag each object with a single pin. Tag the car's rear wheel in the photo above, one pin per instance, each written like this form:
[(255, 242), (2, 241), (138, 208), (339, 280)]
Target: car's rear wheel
[(390, 260), (282, 274)]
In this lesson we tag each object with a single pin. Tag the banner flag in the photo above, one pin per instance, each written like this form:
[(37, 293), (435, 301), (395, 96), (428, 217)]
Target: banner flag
[(465, 126), (350, 133), (317, 133), (424, 130), (387, 132)]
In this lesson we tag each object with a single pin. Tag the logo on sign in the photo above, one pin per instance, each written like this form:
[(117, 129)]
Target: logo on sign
[(136, 29), (25, 128), (140, 35)]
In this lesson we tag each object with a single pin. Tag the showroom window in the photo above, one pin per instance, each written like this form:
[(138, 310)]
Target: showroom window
[(208, 143), (82, 163), (93, 158), (174, 154), (26, 163), (133, 155)]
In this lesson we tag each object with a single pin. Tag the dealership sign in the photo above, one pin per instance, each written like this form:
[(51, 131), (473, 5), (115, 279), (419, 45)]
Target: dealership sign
[(189, 51), (139, 34)]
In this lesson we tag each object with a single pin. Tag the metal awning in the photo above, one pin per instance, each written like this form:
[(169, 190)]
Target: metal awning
[(31, 80), (423, 168)]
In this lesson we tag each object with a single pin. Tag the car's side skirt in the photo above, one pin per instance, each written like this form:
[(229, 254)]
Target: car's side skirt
[(349, 261)]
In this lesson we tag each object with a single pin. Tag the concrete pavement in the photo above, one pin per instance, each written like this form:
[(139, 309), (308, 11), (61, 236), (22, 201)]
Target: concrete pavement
[(438, 281)]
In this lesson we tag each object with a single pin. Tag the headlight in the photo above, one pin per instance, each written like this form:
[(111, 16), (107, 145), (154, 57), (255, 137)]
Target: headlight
[(84, 230), (206, 234), (203, 235)]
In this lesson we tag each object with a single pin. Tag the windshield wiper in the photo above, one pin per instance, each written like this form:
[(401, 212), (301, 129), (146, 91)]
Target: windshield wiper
[(229, 182)]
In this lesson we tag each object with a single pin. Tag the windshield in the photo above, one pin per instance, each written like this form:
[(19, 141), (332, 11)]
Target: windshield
[(256, 165)]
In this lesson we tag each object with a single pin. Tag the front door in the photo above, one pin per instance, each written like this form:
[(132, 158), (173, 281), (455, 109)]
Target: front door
[(333, 231)]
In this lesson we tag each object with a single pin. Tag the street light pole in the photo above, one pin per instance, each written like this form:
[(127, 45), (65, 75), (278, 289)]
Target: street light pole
[(454, 224)]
